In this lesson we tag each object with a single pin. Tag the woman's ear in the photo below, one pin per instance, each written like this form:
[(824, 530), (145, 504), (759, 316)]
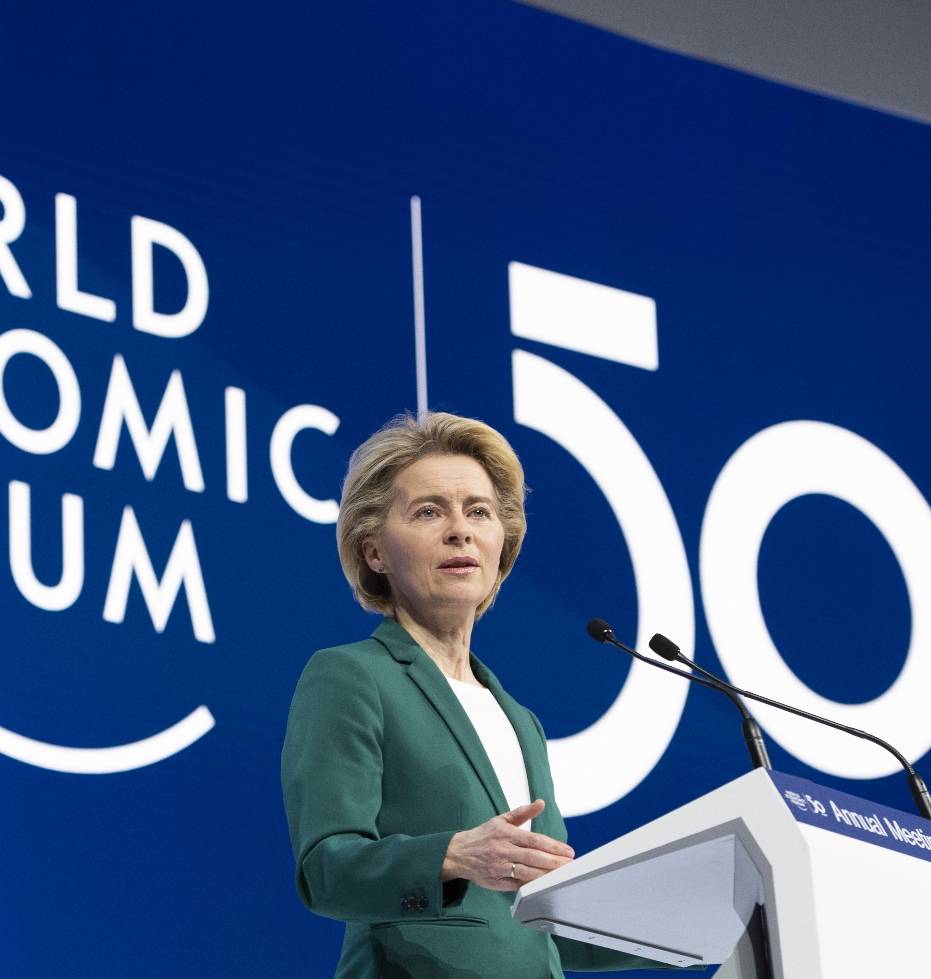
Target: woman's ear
[(372, 555)]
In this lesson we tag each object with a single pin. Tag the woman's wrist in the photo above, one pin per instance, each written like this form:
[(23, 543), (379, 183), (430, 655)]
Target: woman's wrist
[(450, 869)]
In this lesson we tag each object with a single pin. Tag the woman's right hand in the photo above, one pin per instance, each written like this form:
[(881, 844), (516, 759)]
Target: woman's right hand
[(500, 855)]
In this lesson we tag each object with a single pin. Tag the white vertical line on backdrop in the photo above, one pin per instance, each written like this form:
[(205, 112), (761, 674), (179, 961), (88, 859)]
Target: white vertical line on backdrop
[(237, 472), (420, 326)]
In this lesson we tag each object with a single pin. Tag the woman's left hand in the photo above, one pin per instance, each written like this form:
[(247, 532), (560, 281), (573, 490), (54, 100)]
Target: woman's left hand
[(500, 855)]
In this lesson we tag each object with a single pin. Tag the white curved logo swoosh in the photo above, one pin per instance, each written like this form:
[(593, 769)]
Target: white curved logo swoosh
[(116, 758)]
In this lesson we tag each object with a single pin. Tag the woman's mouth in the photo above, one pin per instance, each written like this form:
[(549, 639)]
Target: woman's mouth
[(459, 566)]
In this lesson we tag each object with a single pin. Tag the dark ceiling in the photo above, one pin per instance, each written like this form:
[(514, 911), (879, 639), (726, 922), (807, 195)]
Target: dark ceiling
[(873, 53)]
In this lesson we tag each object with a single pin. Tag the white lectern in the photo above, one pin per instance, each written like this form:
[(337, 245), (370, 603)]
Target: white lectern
[(844, 886)]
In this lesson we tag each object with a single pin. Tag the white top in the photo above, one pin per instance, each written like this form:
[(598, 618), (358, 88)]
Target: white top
[(498, 739)]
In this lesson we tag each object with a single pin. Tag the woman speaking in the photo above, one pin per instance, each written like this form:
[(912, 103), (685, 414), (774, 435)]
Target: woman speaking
[(418, 792)]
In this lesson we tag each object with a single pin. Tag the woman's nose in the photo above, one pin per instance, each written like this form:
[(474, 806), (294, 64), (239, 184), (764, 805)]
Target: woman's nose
[(458, 531)]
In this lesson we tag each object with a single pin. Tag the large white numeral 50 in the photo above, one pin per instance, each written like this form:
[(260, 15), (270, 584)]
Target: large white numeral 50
[(604, 762)]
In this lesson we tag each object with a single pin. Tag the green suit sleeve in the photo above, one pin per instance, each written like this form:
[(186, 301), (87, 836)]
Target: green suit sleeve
[(331, 768)]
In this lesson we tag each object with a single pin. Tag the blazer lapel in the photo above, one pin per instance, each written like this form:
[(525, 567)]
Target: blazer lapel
[(435, 687), (534, 751)]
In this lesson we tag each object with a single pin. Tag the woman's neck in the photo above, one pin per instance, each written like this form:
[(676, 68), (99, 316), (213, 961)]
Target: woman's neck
[(445, 641)]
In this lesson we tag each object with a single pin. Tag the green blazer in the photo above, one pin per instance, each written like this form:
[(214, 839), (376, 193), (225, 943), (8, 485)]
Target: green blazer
[(380, 767)]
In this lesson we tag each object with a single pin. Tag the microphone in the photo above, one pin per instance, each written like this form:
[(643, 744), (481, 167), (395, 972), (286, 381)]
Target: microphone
[(669, 650), (753, 736), (599, 630)]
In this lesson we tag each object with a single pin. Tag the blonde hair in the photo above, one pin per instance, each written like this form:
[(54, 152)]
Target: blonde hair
[(369, 491)]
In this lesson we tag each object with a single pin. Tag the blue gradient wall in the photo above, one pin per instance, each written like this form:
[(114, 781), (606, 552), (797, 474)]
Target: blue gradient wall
[(783, 240)]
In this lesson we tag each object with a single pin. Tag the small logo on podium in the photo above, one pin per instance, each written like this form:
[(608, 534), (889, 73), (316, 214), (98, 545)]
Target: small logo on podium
[(805, 802)]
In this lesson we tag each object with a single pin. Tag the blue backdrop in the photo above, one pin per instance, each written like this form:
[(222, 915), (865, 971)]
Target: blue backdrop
[(783, 238)]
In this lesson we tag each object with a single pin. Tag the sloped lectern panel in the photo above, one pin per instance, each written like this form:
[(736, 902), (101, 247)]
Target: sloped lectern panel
[(682, 888)]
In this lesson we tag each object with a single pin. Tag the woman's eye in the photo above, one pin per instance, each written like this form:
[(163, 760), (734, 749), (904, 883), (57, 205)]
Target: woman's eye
[(427, 511), (481, 511)]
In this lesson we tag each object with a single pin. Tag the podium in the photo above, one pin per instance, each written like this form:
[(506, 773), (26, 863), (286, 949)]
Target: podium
[(770, 875)]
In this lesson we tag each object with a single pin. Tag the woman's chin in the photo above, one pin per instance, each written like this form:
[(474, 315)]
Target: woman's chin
[(465, 594)]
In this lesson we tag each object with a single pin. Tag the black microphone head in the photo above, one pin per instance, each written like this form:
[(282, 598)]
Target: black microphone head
[(664, 647), (599, 630)]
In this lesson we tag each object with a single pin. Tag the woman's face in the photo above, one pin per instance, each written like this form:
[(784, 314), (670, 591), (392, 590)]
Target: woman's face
[(441, 544)]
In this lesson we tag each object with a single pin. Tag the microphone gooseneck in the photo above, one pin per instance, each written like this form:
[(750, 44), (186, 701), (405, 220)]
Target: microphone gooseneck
[(916, 783), (599, 630), (753, 736), (669, 650)]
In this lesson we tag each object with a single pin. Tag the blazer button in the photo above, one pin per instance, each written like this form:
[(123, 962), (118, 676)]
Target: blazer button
[(423, 903)]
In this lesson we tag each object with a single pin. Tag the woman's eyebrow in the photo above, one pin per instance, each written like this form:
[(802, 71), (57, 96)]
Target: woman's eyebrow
[(432, 498), (469, 500), (441, 500)]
